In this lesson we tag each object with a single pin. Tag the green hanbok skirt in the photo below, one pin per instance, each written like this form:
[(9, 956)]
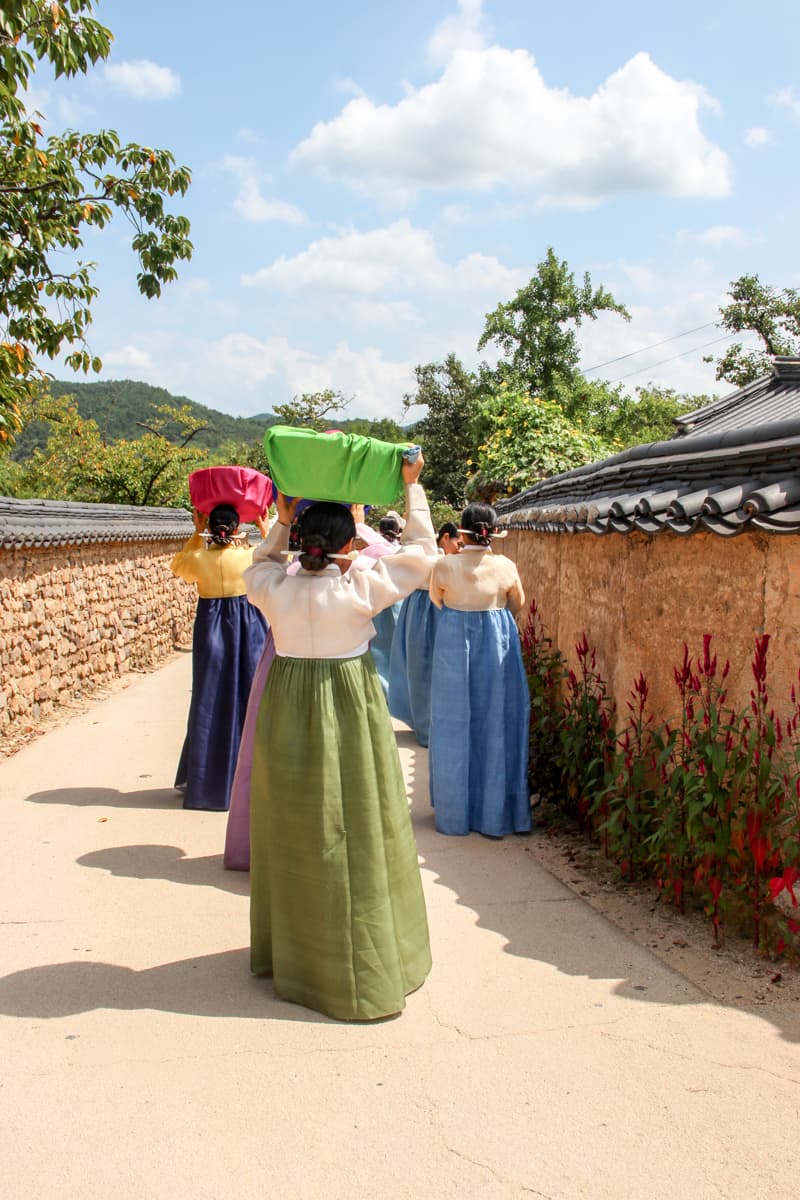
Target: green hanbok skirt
[(337, 913)]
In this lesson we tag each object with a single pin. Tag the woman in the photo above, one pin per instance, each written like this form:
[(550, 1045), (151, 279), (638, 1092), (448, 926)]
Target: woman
[(411, 660), (337, 912), (480, 705), (227, 641), (390, 528)]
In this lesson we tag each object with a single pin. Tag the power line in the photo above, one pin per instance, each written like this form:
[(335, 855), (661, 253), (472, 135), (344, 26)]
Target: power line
[(726, 337), (653, 346)]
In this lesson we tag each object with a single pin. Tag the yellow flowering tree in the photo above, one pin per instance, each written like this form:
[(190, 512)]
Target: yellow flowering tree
[(526, 438)]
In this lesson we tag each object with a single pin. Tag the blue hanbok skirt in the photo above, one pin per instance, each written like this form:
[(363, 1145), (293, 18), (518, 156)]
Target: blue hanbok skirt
[(381, 644), (411, 663), (480, 709), (228, 638)]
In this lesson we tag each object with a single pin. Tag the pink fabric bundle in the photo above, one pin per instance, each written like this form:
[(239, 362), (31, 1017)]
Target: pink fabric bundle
[(249, 491)]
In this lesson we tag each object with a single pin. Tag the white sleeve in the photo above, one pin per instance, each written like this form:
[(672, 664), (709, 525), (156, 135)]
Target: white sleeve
[(268, 569), (398, 575)]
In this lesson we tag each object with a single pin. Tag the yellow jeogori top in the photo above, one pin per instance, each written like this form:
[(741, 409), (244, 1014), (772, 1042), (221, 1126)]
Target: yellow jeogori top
[(217, 570)]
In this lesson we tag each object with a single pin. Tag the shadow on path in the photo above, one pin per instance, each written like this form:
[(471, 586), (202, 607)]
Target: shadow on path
[(542, 919), (157, 798), (214, 985), (169, 863)]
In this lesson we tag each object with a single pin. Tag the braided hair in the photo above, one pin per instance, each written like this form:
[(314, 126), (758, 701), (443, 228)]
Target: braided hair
[(480, 522), (223, 521), (322, 529)]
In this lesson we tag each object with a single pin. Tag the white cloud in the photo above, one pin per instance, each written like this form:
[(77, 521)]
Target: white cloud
[(129, 358), (715, 236), (246, 363), (143, 80), (250, 202), (757, 135), (398, 256), (463, 30), (491, 121), (787, 98)]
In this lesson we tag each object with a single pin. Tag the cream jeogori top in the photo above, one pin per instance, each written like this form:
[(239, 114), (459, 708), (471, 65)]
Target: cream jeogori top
[(476, 580), (325, 614)]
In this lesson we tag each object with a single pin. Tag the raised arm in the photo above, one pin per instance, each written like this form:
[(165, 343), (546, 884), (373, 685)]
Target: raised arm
[(515, 598), (398, 575), (184, 564)]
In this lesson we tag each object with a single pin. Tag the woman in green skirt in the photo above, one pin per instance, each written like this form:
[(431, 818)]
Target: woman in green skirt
[(336, 910)]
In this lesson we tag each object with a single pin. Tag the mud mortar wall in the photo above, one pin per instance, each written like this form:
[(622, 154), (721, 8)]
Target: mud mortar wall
[(73, 618)]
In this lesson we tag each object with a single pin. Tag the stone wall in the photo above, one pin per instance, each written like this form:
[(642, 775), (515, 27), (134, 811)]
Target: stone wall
[(638, 598), (73, 618)]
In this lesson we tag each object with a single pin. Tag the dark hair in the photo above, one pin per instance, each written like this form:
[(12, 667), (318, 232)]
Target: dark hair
[(389, 528), (323, 528), (223, 521), (448, 528), (480, 521)]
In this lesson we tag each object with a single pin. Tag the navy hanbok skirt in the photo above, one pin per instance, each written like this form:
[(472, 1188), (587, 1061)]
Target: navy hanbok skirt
[(480, 709), (411, 663), (228, 638)]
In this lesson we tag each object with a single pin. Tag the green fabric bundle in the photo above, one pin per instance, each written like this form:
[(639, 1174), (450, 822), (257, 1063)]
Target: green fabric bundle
[(334, 466)]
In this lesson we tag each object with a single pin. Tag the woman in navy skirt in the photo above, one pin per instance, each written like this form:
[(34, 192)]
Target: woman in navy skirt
[(228, 638)]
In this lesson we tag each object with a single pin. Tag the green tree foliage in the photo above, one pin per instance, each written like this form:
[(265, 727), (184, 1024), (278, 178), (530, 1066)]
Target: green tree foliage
[(79, 464), (536, 330), (771, 314), (118, 406), (622, 420), (448, 433), (525, 439), (313, 410), (383, 428), (54, 189)]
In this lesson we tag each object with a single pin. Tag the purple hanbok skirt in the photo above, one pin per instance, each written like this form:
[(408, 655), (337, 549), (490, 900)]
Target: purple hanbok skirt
[(237, 835)]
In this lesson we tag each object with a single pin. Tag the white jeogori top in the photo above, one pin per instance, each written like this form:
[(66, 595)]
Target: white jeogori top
[(325, 614), (476, 580)]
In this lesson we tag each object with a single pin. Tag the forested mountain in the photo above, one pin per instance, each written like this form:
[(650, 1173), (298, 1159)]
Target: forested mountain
[(120, 405)]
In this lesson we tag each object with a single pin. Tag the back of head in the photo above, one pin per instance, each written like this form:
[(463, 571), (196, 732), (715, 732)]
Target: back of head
[(389, 527), (223, 521), (480, 521), (323, 529)]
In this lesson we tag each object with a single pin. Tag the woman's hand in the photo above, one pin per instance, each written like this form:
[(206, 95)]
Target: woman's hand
[(358, 513), (262, 523), (412, 471), (286, 508), (200, 520)]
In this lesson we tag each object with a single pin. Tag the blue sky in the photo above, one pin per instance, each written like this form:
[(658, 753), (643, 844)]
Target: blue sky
[(369, 180)]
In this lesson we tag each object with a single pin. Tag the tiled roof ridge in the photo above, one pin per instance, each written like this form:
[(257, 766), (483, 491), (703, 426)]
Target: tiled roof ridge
[(723, 482), (41, 523), (658, 459)]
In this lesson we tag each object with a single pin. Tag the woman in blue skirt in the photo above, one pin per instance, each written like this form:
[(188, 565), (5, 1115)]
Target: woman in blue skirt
[(228, 638), (411, 660), (479, 691)]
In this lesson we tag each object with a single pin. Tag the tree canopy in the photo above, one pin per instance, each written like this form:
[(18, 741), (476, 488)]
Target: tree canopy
[(772, 314), (448, 431), (536, 330), (78, 463), (53, 189), (526, 438)]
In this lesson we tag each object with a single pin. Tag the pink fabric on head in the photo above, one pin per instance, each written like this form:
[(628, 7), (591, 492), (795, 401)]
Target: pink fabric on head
[(250, 492)]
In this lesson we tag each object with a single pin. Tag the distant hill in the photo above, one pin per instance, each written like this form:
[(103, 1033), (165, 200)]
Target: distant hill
[(118, 405)]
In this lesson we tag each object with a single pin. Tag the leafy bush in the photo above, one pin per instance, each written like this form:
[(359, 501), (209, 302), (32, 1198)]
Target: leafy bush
[(706, 804)]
